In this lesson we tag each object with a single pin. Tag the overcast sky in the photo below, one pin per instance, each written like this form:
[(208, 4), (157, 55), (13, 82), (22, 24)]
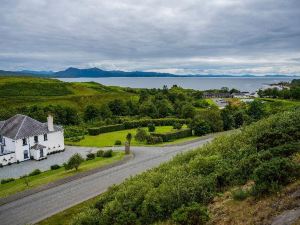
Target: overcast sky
[(177, 36)]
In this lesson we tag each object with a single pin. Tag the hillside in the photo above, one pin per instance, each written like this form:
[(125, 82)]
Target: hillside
[(16, 92), (182, 189)]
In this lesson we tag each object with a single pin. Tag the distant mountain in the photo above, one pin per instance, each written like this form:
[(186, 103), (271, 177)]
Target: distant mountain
[(98, 73)]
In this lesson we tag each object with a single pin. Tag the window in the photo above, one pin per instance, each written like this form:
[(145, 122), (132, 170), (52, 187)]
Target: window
[(26, 156), (24, 141), (2, 149), (36, 139), (45, 137)]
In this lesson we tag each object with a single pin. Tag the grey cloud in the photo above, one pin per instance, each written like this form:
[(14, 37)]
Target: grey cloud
[(186, 35)]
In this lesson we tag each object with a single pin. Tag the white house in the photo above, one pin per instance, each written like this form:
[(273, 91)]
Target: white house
[(23, 138)]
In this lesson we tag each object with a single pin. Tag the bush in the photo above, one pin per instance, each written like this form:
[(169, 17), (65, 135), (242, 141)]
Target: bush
[(105, 129), (271, 175), (141, 135), (99, 153), (152, 140), (35, 172), (87, 217), (90, 156), (151, 127), (239, 194), (108, 154), (74, 162), (7, 180), (1, 165), (173, 135), (200, 127), (55, 167), (194, 214), (177, 126), (118, 142)]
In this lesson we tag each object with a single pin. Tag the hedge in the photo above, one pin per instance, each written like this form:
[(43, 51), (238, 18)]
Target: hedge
[(135, 124), (105, 129), (173, 135)]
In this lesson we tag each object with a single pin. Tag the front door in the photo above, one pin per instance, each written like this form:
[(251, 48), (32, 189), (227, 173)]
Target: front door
[(41, 153)]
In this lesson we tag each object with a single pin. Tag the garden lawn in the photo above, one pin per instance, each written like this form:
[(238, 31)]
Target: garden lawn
[(108, 139), (52, 175)]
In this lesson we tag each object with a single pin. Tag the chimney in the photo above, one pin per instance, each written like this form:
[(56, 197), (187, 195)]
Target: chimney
[(50, 123)]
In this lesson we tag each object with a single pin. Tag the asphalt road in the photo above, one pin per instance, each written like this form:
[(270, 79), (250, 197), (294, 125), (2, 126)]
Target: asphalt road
[(41, 205)]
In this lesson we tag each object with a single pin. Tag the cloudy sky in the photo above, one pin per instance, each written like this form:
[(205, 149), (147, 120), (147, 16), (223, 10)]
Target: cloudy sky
[(177, 36)]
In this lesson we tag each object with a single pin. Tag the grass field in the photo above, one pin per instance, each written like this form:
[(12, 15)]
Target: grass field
[(108, 139), (52, 175)]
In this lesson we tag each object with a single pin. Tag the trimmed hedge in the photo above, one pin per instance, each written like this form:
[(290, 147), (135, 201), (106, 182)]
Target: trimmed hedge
[(135, 124), (174, 135), (105, 129)]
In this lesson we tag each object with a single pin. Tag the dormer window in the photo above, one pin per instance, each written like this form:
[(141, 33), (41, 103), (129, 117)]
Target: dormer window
[(36, 139), (24, 141)]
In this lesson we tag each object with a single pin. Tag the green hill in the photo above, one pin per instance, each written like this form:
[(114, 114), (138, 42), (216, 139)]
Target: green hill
[(16, 92)]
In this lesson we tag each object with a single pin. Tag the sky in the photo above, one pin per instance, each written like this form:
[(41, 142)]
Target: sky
[(176, 36)]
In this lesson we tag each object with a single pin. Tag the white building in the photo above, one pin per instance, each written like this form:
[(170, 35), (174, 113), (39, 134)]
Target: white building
[(23, 138)]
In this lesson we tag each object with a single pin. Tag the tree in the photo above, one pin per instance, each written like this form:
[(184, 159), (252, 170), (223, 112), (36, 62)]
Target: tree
[(200, 127), (164, 107), (74, 162), (141, 135), (118, 107), (213, 118), (105, 112), (148, 109), (239, 119), (228, 121), (256, 109), (188, 111), (91, 112)]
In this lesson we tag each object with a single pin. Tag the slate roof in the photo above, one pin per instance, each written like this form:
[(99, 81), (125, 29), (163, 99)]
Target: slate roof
[(38, 147), (21, 126)]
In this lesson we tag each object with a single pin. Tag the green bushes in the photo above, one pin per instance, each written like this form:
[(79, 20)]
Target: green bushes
[(35, 172), (198, 175), (90, 156), (118, 142), (240, 194), (55, 167), (105, 129), (7, 180), (151, 127), (271, 175), (194, 214), (152, 140), (177, 126), (107, 154), (141, 135), (74, 162), (99, 153), (174, 135)]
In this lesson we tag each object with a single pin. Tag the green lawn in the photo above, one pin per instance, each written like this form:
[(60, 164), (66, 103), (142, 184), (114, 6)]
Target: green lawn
[(108, 139), (53, 175)]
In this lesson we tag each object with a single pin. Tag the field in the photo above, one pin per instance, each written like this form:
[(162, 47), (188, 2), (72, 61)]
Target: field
[(26, 91), (53, 175), (108, 139)]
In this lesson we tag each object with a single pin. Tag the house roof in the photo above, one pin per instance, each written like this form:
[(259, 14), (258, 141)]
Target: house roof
[(21, 126), (38, 147)]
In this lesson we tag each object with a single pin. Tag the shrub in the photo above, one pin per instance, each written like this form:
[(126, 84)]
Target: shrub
[(105, 129), (90, 156), (55, 167), (151, 127), (35, 172), (200, 127), (177, 126), (239, 194), (99, 153), (7, 180), (270, 175), (151, 140), (108, 153), (1, 165), (74, 162), (87, 217), (194, 214), (141, 135), (173, 135), (18, 161), (118, 142)]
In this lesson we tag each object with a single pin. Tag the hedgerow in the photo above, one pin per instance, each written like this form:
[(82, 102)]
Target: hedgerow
[(197, 176), (173, 135)]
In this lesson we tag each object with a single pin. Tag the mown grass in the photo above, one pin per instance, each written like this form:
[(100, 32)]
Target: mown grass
[(52, 175), (108, 139)]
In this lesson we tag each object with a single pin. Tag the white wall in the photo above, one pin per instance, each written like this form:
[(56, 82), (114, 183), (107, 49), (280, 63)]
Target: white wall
[(5, 159)]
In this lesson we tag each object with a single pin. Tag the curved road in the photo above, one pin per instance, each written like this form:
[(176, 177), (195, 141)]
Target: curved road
[(41, 205)]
